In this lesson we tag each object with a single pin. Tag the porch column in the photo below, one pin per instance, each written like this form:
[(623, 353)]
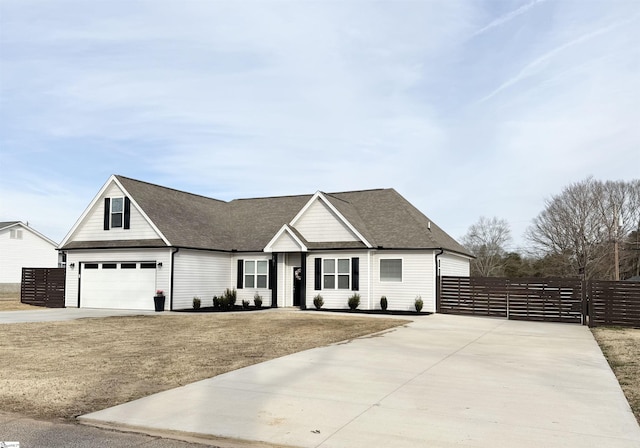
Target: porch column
[(303, 283), (274, 280)]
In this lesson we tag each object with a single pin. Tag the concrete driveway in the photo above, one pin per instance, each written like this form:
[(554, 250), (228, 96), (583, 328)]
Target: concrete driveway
[(441, 381), (60, 314)]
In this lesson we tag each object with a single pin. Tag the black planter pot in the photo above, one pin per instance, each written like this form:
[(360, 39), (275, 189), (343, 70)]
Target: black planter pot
[(159, 302)]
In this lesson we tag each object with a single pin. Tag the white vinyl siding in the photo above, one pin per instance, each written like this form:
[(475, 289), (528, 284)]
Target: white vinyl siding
[(320, 224), (30, 251), (285, 243), (163, 273), (248, 292), (337, 298), (454, 265), (418, 278), (92, 227), (199, 274)]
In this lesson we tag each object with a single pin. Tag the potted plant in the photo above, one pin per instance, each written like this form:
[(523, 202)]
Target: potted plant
[(158, 300)]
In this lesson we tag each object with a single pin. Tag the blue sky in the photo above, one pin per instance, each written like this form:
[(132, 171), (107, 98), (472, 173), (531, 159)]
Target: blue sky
[(467, 108)]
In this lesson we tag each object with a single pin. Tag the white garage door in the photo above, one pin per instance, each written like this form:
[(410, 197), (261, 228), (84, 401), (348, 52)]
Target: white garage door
[(124, 285)]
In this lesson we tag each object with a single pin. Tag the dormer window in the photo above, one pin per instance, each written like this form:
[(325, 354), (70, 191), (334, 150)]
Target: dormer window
[(117, 213)]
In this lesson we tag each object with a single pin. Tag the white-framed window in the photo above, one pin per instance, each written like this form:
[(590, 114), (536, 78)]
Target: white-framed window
[(15, 234), (117, 212), (256, 273), (391, 270), (336, 273)]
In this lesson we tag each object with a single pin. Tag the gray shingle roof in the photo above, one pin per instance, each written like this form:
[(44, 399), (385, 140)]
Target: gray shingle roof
[(383, 217)]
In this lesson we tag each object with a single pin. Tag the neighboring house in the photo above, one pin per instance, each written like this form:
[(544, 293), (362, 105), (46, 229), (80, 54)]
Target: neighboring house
[(136, 237), (22, 246)]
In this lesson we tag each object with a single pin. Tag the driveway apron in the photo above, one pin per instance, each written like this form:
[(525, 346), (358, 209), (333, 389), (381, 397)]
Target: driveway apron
[(440, 381)]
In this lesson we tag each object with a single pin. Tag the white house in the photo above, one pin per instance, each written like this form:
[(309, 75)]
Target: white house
[(22, 246), (135, 238)]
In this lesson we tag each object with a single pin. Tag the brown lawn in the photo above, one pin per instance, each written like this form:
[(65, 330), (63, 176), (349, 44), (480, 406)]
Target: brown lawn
[(13, 304), (621, 347), (64, 369)]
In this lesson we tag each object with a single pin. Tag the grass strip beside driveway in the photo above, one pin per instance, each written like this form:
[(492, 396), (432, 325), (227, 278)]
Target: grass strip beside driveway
[(621, 347), (65, 369)]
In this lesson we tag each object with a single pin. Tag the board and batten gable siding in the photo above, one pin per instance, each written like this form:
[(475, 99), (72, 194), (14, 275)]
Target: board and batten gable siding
[(338, 298), (29, 251), (92, 228), (454, 265), (199, 274), (163, 274), (418, 279), (320, 224), (248, 293)]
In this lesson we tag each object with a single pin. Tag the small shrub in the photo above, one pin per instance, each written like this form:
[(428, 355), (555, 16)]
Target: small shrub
[(418, 304), (354, 301), (383, 303), (318, 301), (228, 300), (257, 300), (216, 302), (196, 303), (245, 304)]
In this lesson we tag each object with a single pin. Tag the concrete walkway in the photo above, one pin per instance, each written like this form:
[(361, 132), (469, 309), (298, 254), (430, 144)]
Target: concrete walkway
[(441, 381)]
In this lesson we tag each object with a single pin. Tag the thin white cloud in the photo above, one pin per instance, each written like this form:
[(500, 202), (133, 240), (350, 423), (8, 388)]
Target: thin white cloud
[(507, 17)]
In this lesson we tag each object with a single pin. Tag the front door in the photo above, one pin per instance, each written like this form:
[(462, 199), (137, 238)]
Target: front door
[(297, 283)]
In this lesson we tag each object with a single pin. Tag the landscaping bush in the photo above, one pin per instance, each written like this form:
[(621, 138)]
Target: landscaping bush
[(418, 304), (354, 301), (228, 300), (245, 304), (216, 302), (318, 301), (383, 303), (257, 300), (196, 303)]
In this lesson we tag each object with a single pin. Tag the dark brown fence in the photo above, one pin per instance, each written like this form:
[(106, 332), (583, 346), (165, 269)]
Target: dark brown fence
[(540, 299), (43, 287), (614, 303)]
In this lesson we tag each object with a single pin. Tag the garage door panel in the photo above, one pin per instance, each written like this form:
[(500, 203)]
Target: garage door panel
[(118, 285)]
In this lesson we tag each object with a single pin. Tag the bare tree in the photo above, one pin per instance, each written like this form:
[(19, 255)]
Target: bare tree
[(586, 224), (486, 239)]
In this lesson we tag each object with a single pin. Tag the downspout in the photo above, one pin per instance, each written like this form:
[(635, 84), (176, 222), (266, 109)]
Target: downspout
[(369, 280), (437, 280), (175, 251)]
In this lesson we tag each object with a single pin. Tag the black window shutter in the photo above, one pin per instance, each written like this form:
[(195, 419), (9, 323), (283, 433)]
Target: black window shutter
[(271, 273), (240, 274), (355, 274), (318, 274), (127, 213), (107, 213)]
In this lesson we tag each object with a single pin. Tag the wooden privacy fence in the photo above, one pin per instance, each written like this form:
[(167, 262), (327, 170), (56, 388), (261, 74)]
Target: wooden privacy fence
[(614, 303), (543, 299), (43, 287)]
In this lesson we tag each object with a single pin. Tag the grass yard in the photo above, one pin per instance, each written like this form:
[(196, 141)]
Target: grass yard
[(13, 304), (63, 369), (621, 347)]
